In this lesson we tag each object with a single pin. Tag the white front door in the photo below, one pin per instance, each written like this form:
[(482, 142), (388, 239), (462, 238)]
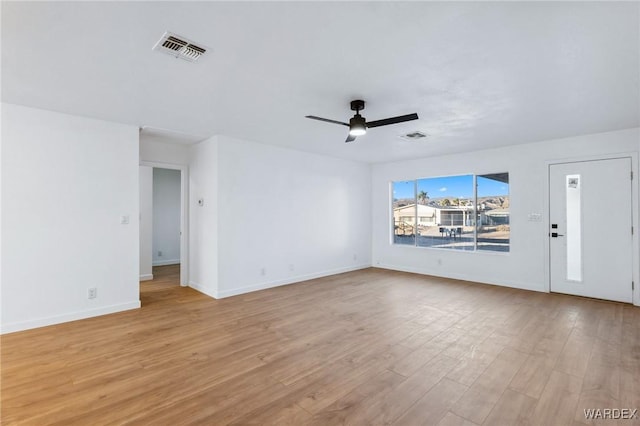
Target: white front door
[(590, 235)]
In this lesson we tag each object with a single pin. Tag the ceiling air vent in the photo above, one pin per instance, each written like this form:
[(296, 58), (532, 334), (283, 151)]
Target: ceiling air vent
[(414, 136), (179, 47)]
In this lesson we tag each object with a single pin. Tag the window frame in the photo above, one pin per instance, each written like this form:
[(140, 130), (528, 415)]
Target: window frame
[(474, 214)]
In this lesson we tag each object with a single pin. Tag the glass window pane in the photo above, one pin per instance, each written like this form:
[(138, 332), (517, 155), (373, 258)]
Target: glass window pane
[(574, 228), (445, 212), (493, 212), (404, 212)]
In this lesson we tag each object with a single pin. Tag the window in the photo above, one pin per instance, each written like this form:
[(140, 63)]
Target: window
[(446, 212), (448, 201), (404, 212), (493, 212)]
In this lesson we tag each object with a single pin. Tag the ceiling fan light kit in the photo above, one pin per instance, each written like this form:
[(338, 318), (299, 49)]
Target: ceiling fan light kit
[(358, 124)]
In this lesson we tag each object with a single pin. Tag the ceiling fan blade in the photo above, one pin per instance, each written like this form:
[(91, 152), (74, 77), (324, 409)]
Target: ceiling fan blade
[(350, 138), (393, 120), (313, 117)]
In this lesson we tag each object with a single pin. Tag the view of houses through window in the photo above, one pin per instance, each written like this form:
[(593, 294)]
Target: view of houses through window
[(446, 212)]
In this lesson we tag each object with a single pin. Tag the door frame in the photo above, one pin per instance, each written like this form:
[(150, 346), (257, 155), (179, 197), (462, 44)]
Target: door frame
[(184, 214), (635, 273)]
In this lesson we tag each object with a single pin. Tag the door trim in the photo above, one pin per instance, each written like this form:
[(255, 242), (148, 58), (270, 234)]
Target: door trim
[(184, 214), (634, 214)]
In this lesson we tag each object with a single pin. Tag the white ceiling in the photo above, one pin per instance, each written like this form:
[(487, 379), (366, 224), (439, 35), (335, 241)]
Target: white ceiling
[(478, 74)]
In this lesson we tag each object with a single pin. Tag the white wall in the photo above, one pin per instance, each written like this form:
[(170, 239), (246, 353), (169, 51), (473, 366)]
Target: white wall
[(161, 152), (166, 216), (146, 222), (1, 145), (66, 182), (524, 266), (203, 219), (282, 215)]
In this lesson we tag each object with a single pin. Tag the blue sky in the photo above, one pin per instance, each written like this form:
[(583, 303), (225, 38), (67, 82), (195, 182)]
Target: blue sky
[(489, 187), (451, 187)]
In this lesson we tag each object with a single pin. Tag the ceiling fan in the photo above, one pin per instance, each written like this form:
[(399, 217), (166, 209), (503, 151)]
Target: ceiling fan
[(358, 125)]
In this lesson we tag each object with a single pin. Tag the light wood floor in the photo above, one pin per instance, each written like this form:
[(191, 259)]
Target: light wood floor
[(368, 347)]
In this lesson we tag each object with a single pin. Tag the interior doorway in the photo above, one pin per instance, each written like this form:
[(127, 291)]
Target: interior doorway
[(591, 235), (163, 221), (166, 217)]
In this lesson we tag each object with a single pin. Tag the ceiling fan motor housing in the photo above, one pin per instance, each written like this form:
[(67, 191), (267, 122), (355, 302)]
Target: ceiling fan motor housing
[(357, 105), (357, 121)]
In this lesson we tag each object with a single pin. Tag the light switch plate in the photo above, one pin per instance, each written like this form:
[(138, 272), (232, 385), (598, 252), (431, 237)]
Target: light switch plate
[(124, 220)]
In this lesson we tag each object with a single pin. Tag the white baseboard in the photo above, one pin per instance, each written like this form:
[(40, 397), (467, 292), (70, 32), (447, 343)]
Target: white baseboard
[(146, 277), (270, 284), (166, 262), (203, 289), (57, 319), (462, 277)]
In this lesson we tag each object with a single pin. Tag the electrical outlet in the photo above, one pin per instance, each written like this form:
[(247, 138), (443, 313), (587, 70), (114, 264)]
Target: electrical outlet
[(159, 253), (355, 257), (263, 271), (92, 293)]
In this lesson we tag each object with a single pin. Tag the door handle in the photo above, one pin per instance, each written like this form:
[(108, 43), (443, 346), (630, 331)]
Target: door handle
[(556, 235)]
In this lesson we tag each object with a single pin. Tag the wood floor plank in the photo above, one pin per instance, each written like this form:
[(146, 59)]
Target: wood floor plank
[(276, 414), (471, 366), (352, 408), (601, 383), (419, 357), (479, 400), (630, 363), (320, 389), (533, 375), (451, 419), (403, 396), (513, 408), (365, 347), (434, 405), (576, 353), (558, 401)]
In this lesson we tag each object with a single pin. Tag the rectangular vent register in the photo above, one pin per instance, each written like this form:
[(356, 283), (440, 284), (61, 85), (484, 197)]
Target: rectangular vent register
[(180, 47)]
